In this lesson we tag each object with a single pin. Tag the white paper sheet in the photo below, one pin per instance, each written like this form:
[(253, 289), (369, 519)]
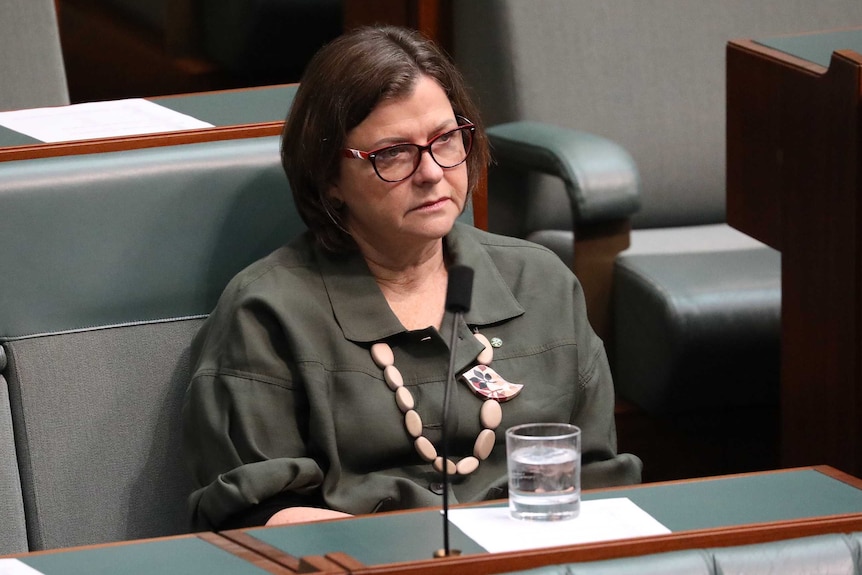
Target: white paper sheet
[(15, 567), (98, 120), (599, 520)]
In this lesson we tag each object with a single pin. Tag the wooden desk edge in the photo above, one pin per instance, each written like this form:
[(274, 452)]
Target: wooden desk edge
[(777, 55), (273, 560), (492, 563), (214, 539), (247, 554), (96, 145), (789, 60), (79, 147), (261, 548), (98, 545)]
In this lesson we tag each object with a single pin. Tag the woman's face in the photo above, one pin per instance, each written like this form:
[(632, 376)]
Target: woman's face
[(389, 216)]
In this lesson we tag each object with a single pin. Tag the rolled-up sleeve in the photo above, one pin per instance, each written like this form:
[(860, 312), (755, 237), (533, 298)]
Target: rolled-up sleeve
[(245, 421), (602, 466), (237, 456)]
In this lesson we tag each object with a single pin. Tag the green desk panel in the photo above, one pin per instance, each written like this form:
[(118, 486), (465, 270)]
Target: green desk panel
[(817, 48), (221, 109), (742, 500), (699, 504), (235, 107), (186, 556), (374, 540), (9, 138)]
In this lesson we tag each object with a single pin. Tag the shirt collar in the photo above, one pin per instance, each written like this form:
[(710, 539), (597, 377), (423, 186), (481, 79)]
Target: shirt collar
[(363, 314)]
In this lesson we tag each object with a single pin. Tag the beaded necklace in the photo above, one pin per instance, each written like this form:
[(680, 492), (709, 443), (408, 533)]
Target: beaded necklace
[(484, 381)]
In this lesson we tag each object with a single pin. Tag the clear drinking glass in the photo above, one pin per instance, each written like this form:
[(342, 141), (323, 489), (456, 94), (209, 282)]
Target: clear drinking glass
[(544, 461)]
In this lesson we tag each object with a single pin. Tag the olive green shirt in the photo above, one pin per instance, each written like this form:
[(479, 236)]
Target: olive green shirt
[(285, 397)]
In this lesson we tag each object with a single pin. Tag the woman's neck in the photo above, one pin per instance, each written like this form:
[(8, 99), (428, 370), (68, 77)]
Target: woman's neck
[(414, 284)]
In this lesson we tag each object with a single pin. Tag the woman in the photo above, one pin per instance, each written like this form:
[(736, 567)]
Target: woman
[(318, 380)]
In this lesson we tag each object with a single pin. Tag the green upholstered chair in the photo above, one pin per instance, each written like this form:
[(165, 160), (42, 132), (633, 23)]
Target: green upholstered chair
[(32, 73), (691, 308), (13, 535), (110, 263), (833, 554), (689, 562)]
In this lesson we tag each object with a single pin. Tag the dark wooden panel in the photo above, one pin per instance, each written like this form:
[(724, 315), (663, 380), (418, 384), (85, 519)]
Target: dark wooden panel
[(794, 182)]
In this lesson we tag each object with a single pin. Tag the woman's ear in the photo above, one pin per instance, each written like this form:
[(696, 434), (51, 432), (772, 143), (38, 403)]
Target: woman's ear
[(334, 196)]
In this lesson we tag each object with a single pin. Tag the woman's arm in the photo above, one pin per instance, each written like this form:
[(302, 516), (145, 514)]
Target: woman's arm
[(304, 515)]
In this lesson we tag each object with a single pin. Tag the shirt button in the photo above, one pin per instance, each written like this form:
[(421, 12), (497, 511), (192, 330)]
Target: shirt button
[(436, 487)]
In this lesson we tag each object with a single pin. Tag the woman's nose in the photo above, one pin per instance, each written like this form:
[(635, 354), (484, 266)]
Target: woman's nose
[(428, 168)]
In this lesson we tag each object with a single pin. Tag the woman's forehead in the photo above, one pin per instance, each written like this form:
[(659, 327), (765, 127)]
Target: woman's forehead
[(422, 112)]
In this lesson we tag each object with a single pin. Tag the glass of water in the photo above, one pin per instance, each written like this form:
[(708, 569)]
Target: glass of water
[(544, 471)]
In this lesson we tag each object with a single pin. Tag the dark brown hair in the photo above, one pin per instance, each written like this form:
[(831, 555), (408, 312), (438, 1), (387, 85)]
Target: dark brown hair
[(341, 85)]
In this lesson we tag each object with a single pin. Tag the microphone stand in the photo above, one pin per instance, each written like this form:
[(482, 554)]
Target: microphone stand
[(459, 292), (444, 445)]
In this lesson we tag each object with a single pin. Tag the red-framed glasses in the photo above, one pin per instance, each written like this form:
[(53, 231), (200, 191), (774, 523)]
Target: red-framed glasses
[(400, 161)]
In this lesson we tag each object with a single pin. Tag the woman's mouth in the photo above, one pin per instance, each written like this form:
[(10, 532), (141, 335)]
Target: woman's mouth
[(432, 205)]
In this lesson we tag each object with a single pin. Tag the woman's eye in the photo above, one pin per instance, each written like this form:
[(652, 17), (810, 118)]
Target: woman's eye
[(393, 153)]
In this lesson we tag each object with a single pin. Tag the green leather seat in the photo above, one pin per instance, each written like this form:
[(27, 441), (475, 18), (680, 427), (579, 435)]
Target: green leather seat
[(111, 262), (13, 534), (831, 554), (32, 73)]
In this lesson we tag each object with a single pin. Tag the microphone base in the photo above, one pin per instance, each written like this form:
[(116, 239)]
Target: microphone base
[(440, 553)]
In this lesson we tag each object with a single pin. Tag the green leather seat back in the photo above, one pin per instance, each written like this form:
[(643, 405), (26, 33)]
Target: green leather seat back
[(13, 534), (111, 261), (31, 59)]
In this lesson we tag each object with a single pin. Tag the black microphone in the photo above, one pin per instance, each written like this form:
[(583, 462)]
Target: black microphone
[(459, 292)]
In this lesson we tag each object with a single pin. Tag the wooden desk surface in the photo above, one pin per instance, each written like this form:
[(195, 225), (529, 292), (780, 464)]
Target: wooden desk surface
[(708, 512), (241, 113), (720, 511), (203, 554)]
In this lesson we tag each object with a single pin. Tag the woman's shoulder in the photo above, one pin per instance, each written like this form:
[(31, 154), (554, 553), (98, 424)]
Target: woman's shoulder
[(288, 267), (515, 251)]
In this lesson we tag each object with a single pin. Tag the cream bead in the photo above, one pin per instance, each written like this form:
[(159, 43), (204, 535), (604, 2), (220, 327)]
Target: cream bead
[(484, 444), (393, 377), (451, 468), (404, 399), (413, 423), (425, 448), (467, 466), (491, 414), (382, 354), (486, 355)]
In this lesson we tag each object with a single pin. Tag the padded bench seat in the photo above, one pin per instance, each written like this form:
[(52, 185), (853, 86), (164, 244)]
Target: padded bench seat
[(680, 314), (832, 554), (110, 263), (13, 534)]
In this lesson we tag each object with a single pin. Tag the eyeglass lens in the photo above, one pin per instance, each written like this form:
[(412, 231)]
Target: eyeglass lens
[(449, 149)]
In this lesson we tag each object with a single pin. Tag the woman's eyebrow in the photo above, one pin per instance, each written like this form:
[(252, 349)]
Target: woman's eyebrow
[(395, 140)]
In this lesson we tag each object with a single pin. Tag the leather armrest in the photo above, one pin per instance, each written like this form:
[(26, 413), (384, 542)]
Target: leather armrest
[(600, 176)]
